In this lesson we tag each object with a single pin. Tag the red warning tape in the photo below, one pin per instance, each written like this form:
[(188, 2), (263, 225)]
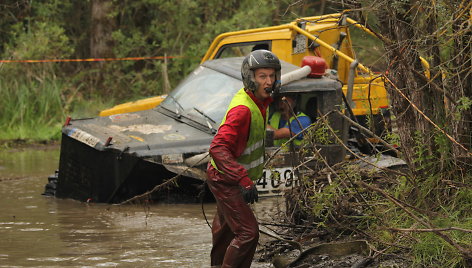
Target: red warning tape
[(91, 60)]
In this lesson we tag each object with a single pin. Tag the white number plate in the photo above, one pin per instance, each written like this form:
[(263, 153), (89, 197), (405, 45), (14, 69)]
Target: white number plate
[(84, 137), (274, 181)]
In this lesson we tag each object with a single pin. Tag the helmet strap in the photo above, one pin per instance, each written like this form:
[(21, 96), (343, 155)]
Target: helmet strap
[(253, 79)]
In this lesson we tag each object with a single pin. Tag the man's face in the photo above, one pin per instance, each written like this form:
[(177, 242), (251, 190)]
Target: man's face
[(265, 78), (284, 107)]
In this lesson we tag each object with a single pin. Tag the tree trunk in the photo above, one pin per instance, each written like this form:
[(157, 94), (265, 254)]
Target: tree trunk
[(433, 114), (101, 42), (404, 57), (462, 83), (165, 75)]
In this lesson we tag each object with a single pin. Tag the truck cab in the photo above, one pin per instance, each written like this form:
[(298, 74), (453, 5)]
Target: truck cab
[(326, 36)]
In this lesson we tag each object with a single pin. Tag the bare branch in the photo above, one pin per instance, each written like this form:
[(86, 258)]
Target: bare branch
[(430, 230)]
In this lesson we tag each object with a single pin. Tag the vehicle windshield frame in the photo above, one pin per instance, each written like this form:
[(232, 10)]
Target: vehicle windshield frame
[(206, 90)]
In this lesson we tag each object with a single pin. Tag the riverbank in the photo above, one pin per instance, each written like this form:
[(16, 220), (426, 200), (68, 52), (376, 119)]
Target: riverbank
[(25, 144), (316, 252), (350, 215), (333, 236)]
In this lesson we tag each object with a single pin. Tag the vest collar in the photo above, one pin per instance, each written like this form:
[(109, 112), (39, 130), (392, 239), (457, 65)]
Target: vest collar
[(261, 104)]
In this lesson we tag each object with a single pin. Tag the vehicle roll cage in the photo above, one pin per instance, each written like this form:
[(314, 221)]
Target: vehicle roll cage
[(341, 18), (294, 26)]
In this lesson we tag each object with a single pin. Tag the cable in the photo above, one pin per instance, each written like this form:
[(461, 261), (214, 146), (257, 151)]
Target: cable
[(201, 195)]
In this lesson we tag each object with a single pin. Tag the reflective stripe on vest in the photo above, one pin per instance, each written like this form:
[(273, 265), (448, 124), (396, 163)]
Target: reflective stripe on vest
[(275, 121), (252, 158)]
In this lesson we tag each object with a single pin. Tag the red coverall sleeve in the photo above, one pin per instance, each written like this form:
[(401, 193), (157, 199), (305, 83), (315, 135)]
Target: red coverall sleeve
[(230, 142)]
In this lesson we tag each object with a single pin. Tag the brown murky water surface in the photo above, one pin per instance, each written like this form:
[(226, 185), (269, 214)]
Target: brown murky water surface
[(39, 231)]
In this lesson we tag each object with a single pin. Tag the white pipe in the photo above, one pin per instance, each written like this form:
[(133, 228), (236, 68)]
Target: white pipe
[(295, 75)]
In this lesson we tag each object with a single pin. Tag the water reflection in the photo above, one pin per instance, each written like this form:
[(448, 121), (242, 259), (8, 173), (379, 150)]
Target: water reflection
[(39, 231), (28, 163)]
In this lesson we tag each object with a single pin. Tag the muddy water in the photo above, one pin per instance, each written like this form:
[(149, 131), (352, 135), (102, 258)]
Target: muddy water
[(39, 231)]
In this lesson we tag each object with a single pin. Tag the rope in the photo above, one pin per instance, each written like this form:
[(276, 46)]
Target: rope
[(91, 59)]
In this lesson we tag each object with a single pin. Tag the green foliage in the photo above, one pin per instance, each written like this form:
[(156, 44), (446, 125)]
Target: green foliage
[(464, 103), (432, 251), (335, 199), (43, 41), (342, 204), (173, 28), (60, 29), (32, 110), (443, 144), (31, 98), (36, 109), (438, 191), (319, 134), (426, 249), (462, 202), (423, 158), (369, 49), (323, 202), (436, 188), (36, 97), (444, 211), (392, 138), (51, 11)]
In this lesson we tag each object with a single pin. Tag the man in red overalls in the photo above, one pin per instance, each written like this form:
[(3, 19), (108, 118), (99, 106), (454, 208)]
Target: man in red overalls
[(237, 153)]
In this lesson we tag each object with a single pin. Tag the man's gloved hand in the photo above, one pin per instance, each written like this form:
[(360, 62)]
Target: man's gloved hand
[(248, 190)]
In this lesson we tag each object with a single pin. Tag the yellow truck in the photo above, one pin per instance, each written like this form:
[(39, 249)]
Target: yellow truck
[(326, 36)]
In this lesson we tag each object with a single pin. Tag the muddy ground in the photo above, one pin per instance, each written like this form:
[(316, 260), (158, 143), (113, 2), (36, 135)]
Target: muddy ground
[(316, 251)]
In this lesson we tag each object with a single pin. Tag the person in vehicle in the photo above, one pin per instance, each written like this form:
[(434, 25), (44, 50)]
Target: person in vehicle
[(284, 124), (237, 153)]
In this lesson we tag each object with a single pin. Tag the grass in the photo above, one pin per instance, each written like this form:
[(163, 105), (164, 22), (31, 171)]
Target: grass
[(30, 110), (427, 248), (35, 109), (432, 251)]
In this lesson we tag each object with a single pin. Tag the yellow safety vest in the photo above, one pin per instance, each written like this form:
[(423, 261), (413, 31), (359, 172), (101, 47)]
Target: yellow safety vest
[(252, 158), (275, 121)]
